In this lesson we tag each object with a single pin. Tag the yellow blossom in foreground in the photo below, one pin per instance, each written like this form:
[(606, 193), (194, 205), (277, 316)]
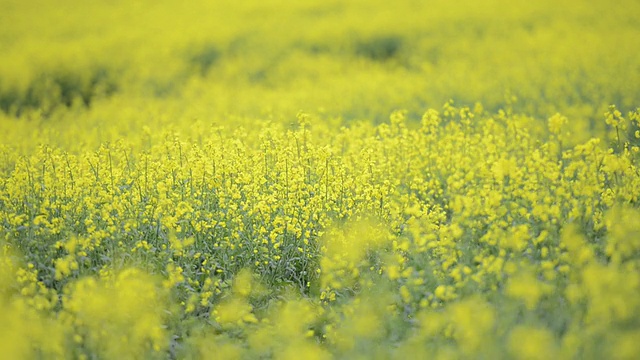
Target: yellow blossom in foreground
[(529, 343), (233, 312), (122, 315)]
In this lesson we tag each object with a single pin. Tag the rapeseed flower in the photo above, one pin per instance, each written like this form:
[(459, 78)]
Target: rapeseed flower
[(168, 197)]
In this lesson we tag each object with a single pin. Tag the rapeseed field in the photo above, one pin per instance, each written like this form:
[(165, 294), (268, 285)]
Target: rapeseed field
[(319, 179)]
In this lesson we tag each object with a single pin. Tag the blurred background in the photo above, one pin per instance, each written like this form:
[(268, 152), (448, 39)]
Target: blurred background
[(233, 61)]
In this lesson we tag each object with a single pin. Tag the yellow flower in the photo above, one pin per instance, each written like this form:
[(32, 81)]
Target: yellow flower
[(527, 288), (529, 343), (556, 123)]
